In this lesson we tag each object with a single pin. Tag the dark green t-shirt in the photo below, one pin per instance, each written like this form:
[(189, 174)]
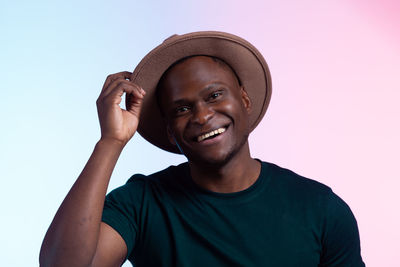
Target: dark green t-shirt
[(283, 219)]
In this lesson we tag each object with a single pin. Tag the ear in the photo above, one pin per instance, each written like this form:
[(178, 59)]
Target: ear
[(245, 99)]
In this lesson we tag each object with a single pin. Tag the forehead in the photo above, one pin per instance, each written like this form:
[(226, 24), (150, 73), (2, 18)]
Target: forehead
[(196, 71), (209, 61)]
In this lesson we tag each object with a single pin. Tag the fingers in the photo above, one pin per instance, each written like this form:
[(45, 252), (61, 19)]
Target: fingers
[(114, 98), (118, 87), (134, 101), (115, 122), (112, 77), (116, 84)]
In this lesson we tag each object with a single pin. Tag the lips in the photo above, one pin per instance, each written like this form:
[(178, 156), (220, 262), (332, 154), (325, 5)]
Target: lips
[(211, 134)]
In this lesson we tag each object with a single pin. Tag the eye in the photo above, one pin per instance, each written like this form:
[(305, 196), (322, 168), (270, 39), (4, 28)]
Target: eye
[(181, 110), (214, 95)]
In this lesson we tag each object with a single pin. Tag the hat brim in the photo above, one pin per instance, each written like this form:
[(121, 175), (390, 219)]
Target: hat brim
[(248, 63)]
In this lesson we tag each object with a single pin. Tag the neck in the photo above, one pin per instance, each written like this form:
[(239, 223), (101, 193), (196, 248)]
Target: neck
[(237, 174)]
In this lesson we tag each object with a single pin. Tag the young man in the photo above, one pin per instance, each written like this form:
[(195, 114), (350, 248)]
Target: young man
[(199, 94)]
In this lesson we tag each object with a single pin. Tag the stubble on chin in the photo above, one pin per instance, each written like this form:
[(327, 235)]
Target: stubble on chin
[(215, 162)]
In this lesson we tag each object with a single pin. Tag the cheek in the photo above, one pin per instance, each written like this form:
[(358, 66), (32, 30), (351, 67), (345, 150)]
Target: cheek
[(240, 115), (177, 127), (229, 105), (234, 109)]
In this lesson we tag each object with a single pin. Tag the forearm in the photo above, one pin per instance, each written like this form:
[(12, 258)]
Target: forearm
[(72, 237)]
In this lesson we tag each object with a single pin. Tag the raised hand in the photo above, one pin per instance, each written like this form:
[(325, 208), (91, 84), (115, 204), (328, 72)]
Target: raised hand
[(76, 236), (118, 124)]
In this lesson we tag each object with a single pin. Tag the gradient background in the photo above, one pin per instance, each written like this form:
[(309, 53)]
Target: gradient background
[(334, 115)]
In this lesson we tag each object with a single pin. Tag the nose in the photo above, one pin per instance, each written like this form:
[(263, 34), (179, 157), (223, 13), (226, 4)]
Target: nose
[(202, 113)]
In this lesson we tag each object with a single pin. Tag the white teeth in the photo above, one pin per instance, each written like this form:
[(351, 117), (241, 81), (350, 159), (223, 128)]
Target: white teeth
[(204, 136)]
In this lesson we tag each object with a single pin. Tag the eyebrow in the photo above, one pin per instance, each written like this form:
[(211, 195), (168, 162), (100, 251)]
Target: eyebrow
[(207, 88), (210, 86)]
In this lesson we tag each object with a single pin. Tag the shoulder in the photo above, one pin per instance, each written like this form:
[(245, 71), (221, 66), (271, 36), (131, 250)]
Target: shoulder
[(139, 183), (333, 212), (294, 190), (163, 177), (291, 182)]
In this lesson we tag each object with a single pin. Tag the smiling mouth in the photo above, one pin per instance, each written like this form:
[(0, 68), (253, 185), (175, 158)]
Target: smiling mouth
[(211, 134)]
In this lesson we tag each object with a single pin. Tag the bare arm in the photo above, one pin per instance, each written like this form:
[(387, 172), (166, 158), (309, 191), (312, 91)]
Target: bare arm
[(76, 236)]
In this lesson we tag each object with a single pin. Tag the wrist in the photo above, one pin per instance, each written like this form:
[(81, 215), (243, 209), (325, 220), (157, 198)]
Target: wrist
[(111, 143)]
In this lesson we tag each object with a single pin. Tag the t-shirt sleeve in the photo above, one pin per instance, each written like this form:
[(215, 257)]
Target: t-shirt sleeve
[(340, 240), (122, 209)]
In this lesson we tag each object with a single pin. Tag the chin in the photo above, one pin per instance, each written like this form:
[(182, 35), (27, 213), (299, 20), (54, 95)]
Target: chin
[(212, 158), (217, 156)]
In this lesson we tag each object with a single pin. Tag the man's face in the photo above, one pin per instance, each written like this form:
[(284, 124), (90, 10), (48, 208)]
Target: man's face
[(206, 110)]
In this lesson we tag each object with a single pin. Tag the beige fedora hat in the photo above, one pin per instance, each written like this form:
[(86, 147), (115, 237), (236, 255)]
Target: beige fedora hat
[(248, 63)]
